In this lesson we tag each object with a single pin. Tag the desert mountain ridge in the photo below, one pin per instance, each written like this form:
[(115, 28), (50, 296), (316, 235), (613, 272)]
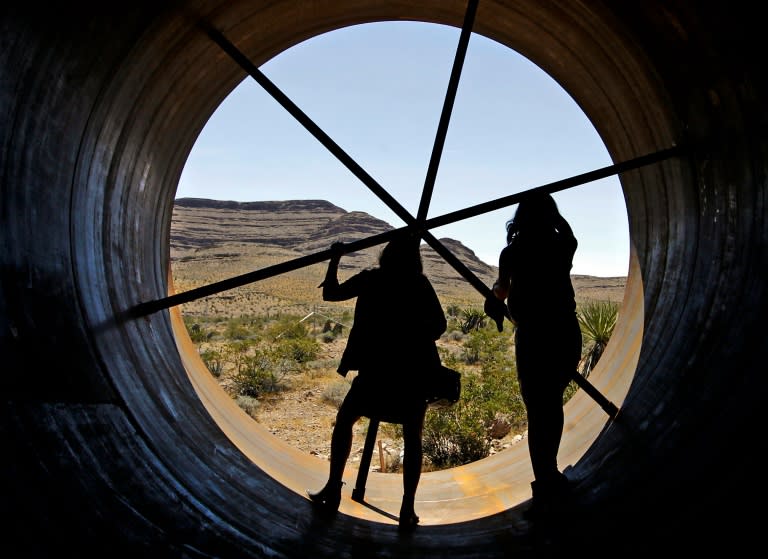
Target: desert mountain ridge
[(211, 240)]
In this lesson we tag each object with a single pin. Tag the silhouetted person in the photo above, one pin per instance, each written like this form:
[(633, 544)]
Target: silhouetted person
[(397, 320), (534, 278)]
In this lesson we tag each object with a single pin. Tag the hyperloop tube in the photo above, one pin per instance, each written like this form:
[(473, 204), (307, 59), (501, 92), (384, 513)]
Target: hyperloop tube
[(117, 440)]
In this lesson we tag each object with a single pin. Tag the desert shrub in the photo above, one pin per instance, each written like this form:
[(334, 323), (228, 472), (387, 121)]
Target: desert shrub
[(461, 433), (456, 435), (499, 394), (324, 364), (485, 343), (453, 311), (237, 329), (214, 360), (287, 327), (469, 354), (301, 350), (332, 331), (248, 404), (449, 358), (257, 374), (327, 337), (197, 333), (236, 351), (335, 392), (454, 335)]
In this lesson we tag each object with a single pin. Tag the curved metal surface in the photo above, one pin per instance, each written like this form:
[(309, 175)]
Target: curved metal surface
[(116, 440)]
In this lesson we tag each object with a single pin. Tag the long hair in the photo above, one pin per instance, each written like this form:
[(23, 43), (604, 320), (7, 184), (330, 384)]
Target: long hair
[(538, 212), (402, 256)]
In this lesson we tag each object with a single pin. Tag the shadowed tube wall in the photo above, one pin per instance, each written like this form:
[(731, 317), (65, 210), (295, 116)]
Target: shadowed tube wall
[(110, 443)]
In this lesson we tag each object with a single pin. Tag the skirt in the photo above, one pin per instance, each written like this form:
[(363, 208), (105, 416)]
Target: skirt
[(385, 397)]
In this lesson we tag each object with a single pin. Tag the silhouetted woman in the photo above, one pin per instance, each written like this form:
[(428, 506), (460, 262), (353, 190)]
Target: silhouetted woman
[(534, 278), (398, 318)]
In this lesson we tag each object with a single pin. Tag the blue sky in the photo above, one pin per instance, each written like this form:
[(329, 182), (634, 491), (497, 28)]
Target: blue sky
[(378, 90)]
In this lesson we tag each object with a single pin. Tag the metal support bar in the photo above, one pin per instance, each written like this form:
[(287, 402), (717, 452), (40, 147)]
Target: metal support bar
[(149, 307), (445, 116), (556, 186), (305, 121), (358, 493), (607, 406), (270, 271), (418, 224)]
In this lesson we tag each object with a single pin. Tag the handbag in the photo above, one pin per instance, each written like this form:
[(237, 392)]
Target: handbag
[(442, 387)]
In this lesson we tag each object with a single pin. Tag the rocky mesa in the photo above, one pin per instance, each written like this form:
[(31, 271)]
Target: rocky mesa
[(212, 240)]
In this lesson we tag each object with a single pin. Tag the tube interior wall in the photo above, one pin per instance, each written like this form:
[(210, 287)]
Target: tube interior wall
[(111, 443)]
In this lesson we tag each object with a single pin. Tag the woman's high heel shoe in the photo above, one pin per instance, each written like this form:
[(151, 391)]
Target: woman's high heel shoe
[(328, 498), (407, 520)]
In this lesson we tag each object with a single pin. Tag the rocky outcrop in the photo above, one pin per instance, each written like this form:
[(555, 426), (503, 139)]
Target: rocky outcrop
[(202, 223)]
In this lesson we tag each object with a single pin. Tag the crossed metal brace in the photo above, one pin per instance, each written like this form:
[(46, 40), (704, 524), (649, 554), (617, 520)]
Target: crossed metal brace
[(420, 224)]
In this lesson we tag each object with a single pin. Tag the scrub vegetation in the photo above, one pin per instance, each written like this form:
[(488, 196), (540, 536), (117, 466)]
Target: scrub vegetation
[(273, 345), (260, 361)]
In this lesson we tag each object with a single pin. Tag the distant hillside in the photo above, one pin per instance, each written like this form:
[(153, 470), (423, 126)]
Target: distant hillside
[(213, 240)]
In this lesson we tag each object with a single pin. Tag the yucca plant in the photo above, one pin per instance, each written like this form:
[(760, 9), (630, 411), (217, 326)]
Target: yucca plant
[(597, 320), (472, 319)]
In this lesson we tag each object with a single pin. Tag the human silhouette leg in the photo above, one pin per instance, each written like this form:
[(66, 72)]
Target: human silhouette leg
[(412, 461), (329, 497), (550, 487), (546, 421), (543, 396), (542, 370)]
